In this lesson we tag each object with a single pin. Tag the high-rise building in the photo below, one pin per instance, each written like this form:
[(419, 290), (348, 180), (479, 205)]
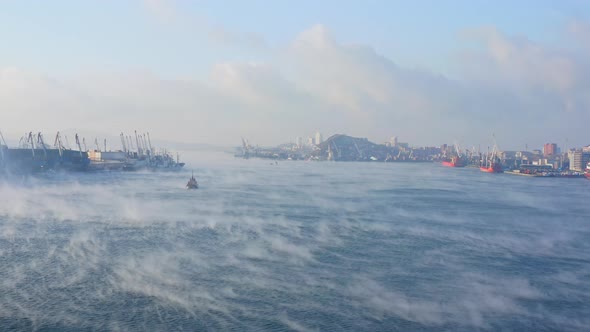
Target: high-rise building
[(578, 160), (393, 141), (318, 138), (549, 149), (299, 142), (310, 141)]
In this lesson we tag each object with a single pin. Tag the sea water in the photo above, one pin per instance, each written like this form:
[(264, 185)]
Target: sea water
[(301, 246)]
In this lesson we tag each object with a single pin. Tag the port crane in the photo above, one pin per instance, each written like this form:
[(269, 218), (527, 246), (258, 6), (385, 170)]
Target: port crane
[(30, 140), (147, 148), (457, 149), (1, 148), (58, 144), (139, 150), (79, 146), (150, 143), (42, 143), (123, 144)]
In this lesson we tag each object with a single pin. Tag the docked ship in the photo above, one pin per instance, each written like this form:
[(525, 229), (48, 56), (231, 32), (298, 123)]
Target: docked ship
[(144, 156), (587, 173), (454, 161), (492, 163), (33, 156), (493, 167)]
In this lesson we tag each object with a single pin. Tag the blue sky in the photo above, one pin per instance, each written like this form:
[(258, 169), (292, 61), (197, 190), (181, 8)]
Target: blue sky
[(288, 68), (56, 36)]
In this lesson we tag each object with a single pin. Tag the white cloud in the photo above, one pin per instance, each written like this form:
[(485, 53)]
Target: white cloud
[(510, 86), (162, 10)]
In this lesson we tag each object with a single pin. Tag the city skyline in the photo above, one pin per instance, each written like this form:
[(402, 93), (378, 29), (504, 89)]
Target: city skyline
[(197, 72)]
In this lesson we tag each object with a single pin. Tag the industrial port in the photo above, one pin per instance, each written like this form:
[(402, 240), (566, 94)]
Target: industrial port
[(34, 155), (547, 163)]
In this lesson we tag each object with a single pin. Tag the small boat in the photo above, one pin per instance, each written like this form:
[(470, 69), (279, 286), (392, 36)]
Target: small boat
[(192, 183), (587, 173)]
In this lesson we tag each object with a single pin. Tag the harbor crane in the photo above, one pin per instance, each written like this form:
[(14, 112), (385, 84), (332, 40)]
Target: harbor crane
[(40, 141), (58, 144), (150, 143), (123, 144), (30, 140), (79, 146), (1, 147)]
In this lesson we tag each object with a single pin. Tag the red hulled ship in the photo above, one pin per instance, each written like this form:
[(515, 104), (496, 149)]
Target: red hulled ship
[(455, 161), (587, 173), (492, 163), (494, 167)]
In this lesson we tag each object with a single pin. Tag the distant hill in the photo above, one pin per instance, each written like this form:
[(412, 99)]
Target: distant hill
[(347, 148)]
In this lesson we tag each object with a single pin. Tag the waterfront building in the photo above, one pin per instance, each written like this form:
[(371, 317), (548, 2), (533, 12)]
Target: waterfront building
[(393, 141), (578, 159), (549, 149), (299, 142), (318, 138)]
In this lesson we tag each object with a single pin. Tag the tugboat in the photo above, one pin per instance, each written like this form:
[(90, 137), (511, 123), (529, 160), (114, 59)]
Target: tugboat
[(192, 183)]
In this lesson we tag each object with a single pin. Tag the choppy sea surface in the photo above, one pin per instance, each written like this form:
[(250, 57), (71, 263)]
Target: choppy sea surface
[(301, 246)]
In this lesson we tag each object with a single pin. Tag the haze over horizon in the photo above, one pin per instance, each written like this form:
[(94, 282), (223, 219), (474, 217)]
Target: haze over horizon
[(205, 72)]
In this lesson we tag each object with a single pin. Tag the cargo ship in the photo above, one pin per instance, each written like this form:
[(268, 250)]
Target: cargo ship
[(144, 156), (492, 163), (455, 161), (34, 156), (493, 167)]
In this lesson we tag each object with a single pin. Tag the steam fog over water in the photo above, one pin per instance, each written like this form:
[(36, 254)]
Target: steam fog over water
[(296, 246)]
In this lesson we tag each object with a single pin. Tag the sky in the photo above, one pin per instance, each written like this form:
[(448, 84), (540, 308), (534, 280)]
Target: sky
[(429, 72)]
